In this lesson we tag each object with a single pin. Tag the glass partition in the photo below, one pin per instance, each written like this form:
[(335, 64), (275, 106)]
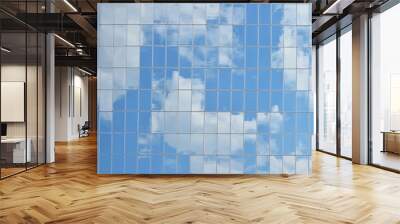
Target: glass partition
[(22, 77), (13, 109)]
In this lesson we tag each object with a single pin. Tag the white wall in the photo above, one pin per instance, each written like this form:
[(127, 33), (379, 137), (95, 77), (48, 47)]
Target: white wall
[(80, 84), (70, 83), (61, 103), (12, 73)]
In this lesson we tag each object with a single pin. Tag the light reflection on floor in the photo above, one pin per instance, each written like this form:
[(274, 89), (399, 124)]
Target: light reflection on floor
[(386, 159)]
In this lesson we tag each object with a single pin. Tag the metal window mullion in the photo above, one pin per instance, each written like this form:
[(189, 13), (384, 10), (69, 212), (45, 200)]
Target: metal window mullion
[(26, 88), (369, 90), (37, 95), (338, 98), (317, 97)]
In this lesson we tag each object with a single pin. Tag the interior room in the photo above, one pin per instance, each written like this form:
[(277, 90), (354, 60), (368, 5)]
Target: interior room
[(123, 111)]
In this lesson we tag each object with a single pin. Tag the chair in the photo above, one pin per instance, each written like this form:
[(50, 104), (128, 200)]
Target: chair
[(84, 130)]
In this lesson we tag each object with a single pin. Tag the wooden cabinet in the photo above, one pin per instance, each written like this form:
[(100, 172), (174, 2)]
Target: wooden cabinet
[(391, 142)]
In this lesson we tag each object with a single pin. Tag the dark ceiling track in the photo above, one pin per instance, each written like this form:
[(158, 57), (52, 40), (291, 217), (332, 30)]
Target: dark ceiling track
[(50, 22), (78, 61)]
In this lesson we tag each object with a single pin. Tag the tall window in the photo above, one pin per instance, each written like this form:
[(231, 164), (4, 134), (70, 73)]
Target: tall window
[(346, 93), (327, 96), (385, 89)]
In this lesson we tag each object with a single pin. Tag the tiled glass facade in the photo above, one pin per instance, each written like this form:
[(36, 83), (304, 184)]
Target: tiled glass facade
[(220, 88)]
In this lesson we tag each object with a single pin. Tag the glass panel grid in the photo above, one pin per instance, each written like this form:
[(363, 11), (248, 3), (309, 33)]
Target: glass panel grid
[(211, 93)]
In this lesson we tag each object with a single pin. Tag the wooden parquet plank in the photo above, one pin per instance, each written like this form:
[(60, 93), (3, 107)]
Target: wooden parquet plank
[(70, 191)]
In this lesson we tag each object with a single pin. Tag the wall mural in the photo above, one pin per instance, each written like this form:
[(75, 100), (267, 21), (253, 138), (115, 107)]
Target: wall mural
[(220, 88)]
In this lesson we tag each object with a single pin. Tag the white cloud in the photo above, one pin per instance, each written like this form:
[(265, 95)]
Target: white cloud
[(236, 165), (225, 35), (276, 57), (210, 144), (250, 126), (210, 164), (198, 98), (199, 14), (290, 57), (237, 144), (289, 14), (302, 165), (303, 57), (289, 164), (304, 14), (211, 122), (196, 164), (275, 122), (237, 121), (226, 13), (225, 56), (223, 143), (185, 13), (224, 122), (212, 11), (289, 34), (290, 79), (179, 101), (276, 164)]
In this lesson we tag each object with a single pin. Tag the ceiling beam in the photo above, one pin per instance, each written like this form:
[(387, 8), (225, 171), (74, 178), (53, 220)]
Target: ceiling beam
[(86, 27), (82, 61)]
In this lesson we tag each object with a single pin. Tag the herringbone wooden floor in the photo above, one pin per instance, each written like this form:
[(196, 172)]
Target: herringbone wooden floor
[(70, 191)]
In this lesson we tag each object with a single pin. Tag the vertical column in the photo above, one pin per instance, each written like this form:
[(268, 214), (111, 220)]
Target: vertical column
[(92, 103), (360, 90), (50, 92)]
